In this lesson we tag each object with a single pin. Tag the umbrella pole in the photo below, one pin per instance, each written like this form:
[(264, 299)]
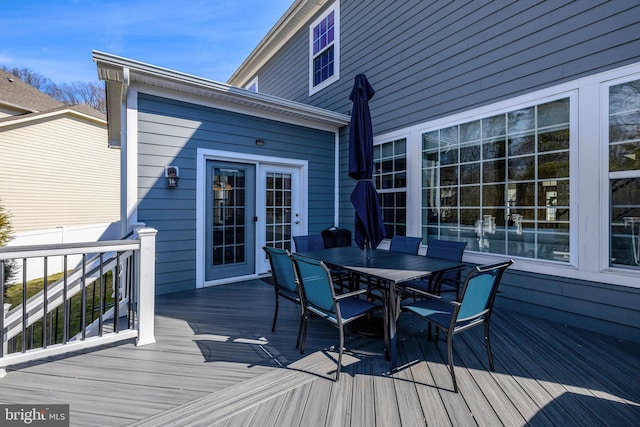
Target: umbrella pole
[(367, 248)]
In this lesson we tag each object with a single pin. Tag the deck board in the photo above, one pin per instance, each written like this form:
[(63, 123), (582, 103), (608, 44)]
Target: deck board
[(215, 363), (582, 379), (431, 404)]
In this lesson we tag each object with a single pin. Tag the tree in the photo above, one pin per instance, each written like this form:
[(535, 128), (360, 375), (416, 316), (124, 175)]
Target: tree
[(5, 236), (91, 93)]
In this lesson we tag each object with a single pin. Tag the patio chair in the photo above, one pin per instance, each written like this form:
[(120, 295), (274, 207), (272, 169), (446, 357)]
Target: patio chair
[(478, 294), (451, 251), (320, 299), (402, 244), (314, 242), (311, 242), (449, 281), (284, 283), (405, 244)]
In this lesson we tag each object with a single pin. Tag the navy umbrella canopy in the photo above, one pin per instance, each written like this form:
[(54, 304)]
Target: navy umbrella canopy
[(369, 227)]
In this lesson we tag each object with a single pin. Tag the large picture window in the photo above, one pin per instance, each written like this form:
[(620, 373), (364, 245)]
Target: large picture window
[(324, 50), (501, 183), (624, 173)]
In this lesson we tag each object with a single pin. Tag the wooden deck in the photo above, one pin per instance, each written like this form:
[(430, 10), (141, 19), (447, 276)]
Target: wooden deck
[(216, 362)]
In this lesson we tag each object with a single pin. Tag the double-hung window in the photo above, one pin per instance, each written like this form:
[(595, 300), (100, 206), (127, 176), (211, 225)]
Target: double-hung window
[(624, 174), (390, 179), (324, 51)]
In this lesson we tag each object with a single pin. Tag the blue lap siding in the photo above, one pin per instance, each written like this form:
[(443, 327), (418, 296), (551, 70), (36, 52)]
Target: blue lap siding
[(171, 131)]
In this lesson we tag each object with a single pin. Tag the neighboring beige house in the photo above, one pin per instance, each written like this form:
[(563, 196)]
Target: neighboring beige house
[(56, 169)]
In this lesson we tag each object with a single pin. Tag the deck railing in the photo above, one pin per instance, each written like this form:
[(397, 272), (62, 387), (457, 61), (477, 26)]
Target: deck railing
[(105, 294)]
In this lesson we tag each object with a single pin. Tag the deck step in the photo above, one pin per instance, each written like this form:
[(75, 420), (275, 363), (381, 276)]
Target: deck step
[(223, 404)]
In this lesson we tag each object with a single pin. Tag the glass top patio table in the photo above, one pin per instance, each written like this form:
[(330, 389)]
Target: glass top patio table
[(391, 268)]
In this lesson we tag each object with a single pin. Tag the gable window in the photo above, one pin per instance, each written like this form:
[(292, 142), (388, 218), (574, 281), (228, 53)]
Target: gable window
[(624, 174), (501, 183), (324, 50), (253, 85), (390, 179)]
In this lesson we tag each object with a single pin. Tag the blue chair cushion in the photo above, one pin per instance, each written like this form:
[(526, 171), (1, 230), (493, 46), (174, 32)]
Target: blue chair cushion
[(353, 307), (435, 310)]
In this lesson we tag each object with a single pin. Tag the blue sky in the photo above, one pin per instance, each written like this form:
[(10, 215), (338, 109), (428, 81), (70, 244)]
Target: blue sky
[(205, 38)]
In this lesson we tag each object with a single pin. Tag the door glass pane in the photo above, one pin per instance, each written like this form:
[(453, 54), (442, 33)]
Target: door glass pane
[(278, 221), (228, 216)]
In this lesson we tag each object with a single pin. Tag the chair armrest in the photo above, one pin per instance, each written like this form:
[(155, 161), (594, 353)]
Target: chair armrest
[(350, 294)]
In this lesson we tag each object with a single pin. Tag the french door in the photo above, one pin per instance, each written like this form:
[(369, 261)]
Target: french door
[(282, 210), (248, 206), (230, 216)]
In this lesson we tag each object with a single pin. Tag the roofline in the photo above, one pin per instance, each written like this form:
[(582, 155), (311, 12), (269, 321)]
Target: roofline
[(120, 72), (297, 16), (12, 120), (17, 106)]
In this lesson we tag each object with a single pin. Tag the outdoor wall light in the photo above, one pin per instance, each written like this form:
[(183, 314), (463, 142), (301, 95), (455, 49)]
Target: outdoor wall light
[(172, 173), (259, 142)]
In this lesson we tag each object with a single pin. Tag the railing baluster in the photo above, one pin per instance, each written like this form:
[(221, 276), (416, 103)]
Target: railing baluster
[(65, 305), (83, 299), (45, 302), (57, 325), (101, 297), (24, 305), (116, 294), (130, 275), (93, 300)]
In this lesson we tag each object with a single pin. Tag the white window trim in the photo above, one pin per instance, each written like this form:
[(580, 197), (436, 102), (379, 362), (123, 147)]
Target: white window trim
[(589, 172), (606, 175), (335, 7)]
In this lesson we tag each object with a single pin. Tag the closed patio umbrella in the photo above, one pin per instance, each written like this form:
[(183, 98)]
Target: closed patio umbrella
[(369, 227)]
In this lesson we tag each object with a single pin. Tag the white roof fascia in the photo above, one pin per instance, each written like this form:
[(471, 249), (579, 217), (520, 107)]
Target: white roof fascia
[(38, 116), (114, 69), (17, 107)]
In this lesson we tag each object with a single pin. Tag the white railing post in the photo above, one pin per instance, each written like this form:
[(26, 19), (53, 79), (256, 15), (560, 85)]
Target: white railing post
[(146, 285)]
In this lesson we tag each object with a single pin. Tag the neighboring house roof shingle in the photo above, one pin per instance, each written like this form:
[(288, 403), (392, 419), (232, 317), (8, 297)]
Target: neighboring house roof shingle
[(29, 102), (22, 96)]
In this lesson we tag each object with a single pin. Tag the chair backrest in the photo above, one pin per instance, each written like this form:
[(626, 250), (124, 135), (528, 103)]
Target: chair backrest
[(281, 268), (405, 244), (479, 290), (315, 280), (310, 242), (448, 250)]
